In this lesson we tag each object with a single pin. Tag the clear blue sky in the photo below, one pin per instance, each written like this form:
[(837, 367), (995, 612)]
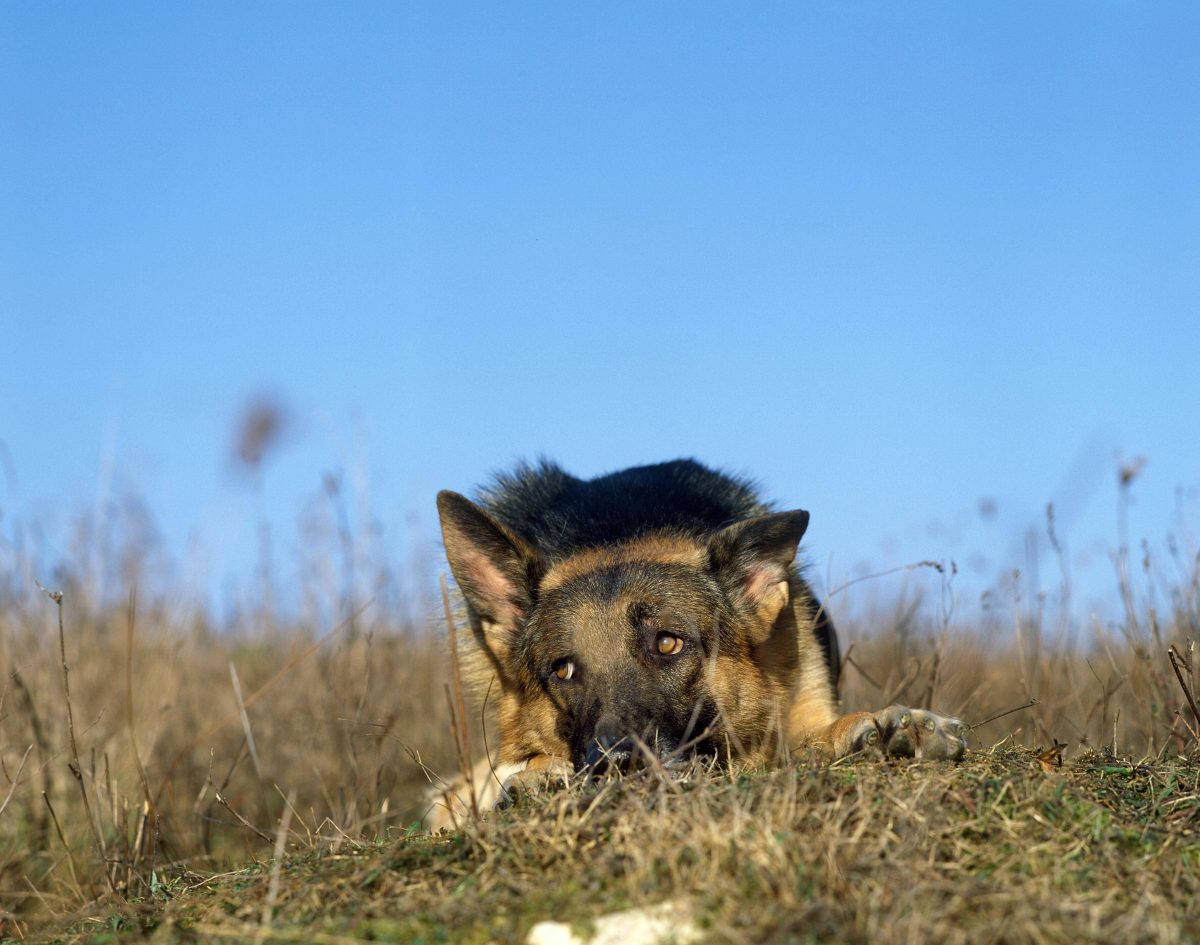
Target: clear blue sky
[(889, 258)]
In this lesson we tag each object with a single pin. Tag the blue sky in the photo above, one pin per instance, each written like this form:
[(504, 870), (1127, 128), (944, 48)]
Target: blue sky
[(889, 259)]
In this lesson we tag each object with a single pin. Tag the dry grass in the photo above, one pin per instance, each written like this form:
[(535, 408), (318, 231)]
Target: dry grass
[(186, 751), (182, 739), (998, 849)]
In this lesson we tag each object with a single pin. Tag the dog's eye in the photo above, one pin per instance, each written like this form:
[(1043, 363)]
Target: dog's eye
[(563, 669), (668, 644)]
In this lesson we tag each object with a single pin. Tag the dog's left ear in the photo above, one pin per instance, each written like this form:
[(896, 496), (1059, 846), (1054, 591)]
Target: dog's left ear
[(751, 560)]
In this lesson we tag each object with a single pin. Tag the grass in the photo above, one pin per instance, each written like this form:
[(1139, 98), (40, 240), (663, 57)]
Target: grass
[(165, 778), (1002, 848)]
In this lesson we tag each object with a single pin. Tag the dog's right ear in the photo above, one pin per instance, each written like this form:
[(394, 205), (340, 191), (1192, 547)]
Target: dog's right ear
[(496, 571)]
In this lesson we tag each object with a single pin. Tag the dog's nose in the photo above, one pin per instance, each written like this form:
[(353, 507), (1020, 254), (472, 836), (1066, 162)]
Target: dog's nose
[(610, 748)]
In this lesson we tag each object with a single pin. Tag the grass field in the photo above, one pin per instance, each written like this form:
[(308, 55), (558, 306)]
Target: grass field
[(998, 849), (165, 778)]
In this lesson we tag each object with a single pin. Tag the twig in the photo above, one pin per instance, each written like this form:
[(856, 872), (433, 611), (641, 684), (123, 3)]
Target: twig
[(936, 565), (207, 817), (241, 820), (926, 700), (44, 754), (237, 695), (75, 766), (16, 778), (1178, 662), (483, 727), (862, 672), (434, 779), (904, 683), (66, 846), (273, 887), (1028, 705), (151, 810), (1194, 733), (42, 897)]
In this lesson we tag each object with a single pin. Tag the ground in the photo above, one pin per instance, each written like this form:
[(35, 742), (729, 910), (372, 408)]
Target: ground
[(1006, 847)]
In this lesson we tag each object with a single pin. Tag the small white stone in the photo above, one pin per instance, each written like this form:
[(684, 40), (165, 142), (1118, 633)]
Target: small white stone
[(670, 922)]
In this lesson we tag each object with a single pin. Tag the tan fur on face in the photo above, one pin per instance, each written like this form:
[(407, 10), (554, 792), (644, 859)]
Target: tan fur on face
[(659, 547), (771, 695), (528, 728)]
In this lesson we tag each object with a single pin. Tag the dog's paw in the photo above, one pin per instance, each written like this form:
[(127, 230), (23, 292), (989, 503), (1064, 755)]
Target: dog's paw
[(519, 787), (900, 732), (919, 733)]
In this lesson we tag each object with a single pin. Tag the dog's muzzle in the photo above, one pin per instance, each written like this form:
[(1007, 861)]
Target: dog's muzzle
[(610, 749)]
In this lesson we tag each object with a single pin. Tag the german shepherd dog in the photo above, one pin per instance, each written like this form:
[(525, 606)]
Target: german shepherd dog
[(646, 617)]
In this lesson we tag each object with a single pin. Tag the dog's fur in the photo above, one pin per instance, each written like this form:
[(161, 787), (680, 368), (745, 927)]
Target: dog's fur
[(655, 613)]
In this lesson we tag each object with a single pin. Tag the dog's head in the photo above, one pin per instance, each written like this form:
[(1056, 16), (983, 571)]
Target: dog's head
[(661, 645)]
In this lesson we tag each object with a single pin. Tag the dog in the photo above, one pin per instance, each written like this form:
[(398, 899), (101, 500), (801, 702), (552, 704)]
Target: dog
[(650, 616)]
